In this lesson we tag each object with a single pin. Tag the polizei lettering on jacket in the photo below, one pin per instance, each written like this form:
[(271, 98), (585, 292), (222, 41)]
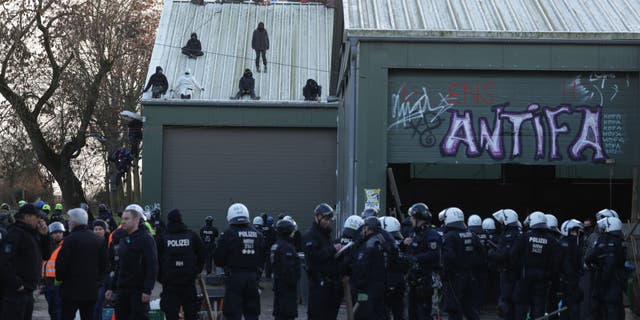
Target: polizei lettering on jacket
[(537, 244), (178, 243), (247, 234)]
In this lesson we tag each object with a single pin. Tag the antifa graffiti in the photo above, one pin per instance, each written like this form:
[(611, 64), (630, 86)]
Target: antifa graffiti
[(545, 124)]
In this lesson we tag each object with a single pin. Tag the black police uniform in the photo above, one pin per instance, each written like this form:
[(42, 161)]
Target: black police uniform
[(536, 255), (269, 235), (181, 255), (20, 269), (488, 280), (501, 256), (462, 252), (425, 251), (369, 278), (398, 265), (606, 260), (136, 273), (286, 273), (209, 234), (571, 270), (240, 252), (325, 287), (481, 270)]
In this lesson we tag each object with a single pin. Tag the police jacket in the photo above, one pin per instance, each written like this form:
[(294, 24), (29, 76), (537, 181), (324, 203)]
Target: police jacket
[(425, 249), (607, 259), (462, 252), (81, 264), (536, 254), (571, 261), (137, 267), (286, 264), (369, 266), (319, 254), (181, 255), (21, 257), (209, 234), (240, 248), (501, 254)]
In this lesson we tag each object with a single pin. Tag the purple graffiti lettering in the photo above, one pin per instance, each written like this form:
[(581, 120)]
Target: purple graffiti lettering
[(552, 121), (589, 136), (516, 119), (492, 141), (539, 130), (460, 131)]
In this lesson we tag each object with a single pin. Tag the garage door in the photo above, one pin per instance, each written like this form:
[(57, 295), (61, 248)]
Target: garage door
[(270, 170)]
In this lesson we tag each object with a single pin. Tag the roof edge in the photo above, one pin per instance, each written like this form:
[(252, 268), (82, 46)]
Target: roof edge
[(241, 103)]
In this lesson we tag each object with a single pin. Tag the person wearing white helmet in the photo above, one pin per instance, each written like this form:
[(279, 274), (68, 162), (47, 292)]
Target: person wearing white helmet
[(462, 256), (537, 255), (500, 255), (552, 224), (297, 236), (474, 223), (240, 252), (350, 227), (606, 260), (398, 268), (258, 222), (137, 268), (571, 268), (489, 279)]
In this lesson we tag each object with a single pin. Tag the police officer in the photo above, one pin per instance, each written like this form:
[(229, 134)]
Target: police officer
[(286, 272), (181, 255), (20, 262), (325, 288), (240, 252), (500, 255), (156, 221), (209, 234), (488, 238), (105, 215), (536, 255), (398, 266), (462, 253), (571, 268), (481, 271), (369, 272), (424, 247), (606, 260), (269, 235)]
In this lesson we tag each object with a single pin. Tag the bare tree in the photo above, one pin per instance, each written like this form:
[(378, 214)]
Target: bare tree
[(56, 58)]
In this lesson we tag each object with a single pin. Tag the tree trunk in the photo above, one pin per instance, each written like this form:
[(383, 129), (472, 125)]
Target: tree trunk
[(72, 193)]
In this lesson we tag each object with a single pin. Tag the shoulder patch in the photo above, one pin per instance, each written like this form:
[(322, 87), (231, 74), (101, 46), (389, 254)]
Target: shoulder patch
[(433, 245)]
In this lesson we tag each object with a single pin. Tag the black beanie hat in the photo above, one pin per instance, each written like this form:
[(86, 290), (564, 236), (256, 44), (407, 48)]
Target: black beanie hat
[(101, 223), (174, 216), (27, 208)]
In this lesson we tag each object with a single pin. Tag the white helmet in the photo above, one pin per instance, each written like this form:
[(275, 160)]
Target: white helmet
[(568, 225), (351, 225), (391, 225), (552, 222), (537, 220), (290, 219), (452, 215), (238, 214), (56, 226), (506, 217), (610, 224), (604, 213), (258, 221), (147, 215), (488, 224), (441, 215), (474, 221), (137, 209)]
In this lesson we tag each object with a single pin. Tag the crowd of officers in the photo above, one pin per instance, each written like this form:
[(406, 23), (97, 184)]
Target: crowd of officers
[(537, 268)]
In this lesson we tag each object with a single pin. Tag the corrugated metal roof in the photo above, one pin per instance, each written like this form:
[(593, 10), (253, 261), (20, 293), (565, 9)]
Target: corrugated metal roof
[(561, 19), (300, 37)]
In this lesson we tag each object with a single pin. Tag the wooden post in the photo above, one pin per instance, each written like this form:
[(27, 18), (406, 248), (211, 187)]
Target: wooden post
[(347, 297), (394, 191), (205, 297)]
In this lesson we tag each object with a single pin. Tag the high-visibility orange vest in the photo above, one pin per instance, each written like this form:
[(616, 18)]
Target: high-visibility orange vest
[(49, 266), (111, 235)]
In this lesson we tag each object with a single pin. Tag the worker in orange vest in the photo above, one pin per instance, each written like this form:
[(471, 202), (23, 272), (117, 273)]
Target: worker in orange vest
[(52, 289)]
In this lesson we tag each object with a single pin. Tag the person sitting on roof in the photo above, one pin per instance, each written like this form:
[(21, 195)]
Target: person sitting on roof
[(312, 91), (193, 49), (158, 84), (246, 86), (185, 84)]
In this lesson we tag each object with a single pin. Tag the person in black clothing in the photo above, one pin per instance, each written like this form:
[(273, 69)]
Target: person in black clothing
[(269, 234), (209, 234), (81, 265), (325, 287), (500, 255), (105, 215), (137, 267), (101, 229), (461, 254), (21, 262), (260, 43), (571, 269), (246, 86), (536, 257), (424, 247), (312, 91), (158, 84), (240, 253), (286, 272), (398, 267), (156, 222), (193, 49), (135, 135), (181, 255), (606, 260), (369, 272)]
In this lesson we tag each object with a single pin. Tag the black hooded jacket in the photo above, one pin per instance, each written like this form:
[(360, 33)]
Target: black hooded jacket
[(21, 257), (247, 83), (137, 268), (193, 43), (260, 40), (181, 255), (158, 79)]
